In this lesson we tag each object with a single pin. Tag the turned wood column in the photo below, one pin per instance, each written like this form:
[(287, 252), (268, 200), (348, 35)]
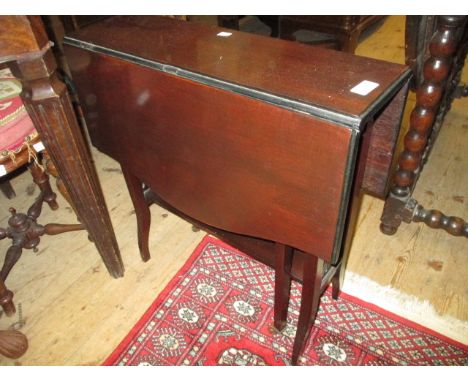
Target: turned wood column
[(24, 44), (399, 205)]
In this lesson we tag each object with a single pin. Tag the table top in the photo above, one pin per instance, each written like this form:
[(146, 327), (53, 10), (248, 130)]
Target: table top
[(296, 76)]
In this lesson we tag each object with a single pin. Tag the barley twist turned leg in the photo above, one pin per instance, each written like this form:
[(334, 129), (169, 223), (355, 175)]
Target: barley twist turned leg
[(399, 206)]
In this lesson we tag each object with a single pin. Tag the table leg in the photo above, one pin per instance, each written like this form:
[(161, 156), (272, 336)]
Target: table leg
[(313, 269), (336, 281), (283, 263), (48, 104), (142, 211)]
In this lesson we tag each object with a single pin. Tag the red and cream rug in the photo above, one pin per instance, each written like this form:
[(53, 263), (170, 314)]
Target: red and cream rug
[(218, 310)]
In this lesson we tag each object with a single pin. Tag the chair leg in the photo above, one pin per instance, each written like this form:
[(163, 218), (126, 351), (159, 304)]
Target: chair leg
[(41, 178), (12, 256), (283, 263), (312, 279), (6, 299), (142, 211), (399, 206), (7, 189)]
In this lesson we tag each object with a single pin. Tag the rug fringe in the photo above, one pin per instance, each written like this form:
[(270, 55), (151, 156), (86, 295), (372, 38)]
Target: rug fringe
[(405, 305)]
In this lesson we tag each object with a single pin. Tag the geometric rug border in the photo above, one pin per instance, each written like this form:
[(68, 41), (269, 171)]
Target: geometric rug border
[(211, 239)]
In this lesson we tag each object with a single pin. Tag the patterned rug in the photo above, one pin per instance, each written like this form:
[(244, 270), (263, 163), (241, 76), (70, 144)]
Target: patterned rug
[(218, 310)]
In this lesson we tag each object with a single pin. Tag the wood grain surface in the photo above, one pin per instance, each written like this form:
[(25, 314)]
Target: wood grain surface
[(252, 168), (21, 36), (271, 65)]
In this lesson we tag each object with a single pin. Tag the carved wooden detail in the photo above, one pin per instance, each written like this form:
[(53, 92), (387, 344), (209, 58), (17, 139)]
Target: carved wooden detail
[(436, 219), (25, 232), (429, 96), (453, 88), (49, 106), (412, 211)]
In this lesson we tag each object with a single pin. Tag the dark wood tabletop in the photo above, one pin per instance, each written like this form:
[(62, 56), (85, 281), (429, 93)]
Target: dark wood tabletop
[(269, 66)]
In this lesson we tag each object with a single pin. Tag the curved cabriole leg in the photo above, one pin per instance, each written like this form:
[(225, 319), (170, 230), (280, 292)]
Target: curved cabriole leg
[(313, 269), (428, 97), (142, 211), (12, 256)]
